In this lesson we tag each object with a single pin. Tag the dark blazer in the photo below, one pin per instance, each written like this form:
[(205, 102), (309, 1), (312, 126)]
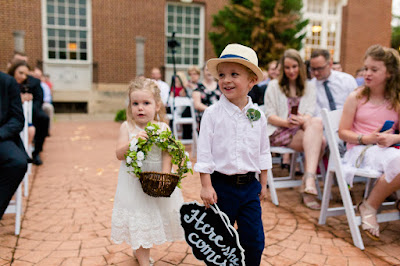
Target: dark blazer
[(34, 87), (11, 114)]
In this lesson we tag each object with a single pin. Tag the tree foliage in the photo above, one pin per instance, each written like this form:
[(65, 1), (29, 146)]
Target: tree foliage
[(396, 35), (268, 26)]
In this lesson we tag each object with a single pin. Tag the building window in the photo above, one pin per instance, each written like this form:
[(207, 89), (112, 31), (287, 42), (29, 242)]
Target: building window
[(187, 22), (67, 29), (314, 6), (323, 30)]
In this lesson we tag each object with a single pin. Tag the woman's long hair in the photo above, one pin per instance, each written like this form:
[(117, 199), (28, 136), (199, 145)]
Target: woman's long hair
[(15, 65), (145, 84), (301, 78), (390, 58)]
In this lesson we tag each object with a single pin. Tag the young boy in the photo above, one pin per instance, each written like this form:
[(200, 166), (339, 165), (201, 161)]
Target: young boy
[(234, 146)]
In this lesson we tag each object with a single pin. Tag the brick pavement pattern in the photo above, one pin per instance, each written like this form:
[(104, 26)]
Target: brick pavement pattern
[(67, 216)]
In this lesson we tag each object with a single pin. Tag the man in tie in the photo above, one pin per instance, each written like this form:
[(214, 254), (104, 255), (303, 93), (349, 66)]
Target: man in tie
[(333, 87)]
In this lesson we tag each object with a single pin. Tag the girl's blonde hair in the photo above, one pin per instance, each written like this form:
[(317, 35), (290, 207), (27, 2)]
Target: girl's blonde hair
[(145, 84), (301, 78), (390, 57)]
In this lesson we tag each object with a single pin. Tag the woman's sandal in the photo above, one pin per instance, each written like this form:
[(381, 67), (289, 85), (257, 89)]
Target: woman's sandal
[(285, 166), (312, 190), (310, 201), (368, 212)]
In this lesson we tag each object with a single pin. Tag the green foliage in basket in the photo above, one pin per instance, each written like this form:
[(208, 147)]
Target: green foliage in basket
[(139, 148), (120, 115)]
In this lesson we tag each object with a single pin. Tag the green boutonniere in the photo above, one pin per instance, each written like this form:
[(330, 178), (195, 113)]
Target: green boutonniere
[(253, 115)]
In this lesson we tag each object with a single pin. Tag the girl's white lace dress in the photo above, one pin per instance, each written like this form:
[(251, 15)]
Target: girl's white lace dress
[(139, 219)]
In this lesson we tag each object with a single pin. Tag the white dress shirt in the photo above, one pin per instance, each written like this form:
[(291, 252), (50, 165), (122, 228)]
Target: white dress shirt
[(340, 84), (229, 144)]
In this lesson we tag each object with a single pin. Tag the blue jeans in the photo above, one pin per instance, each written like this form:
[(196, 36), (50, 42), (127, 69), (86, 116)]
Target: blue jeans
[(241, 204)]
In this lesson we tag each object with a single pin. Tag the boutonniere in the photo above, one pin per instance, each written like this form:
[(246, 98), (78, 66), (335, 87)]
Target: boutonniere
[(253, 115)]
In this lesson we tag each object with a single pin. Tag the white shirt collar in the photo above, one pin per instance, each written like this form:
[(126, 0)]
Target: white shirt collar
[(233, 109)]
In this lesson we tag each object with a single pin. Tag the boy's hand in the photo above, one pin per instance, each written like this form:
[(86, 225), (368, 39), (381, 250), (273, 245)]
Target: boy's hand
[(263, 192), (208, 195)]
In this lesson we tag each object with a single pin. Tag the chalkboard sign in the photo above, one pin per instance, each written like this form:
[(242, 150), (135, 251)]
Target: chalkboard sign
[(210, 235)]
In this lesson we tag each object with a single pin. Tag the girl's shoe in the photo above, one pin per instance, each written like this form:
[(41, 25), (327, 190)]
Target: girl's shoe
[(368, 220), (308, 185), (151, 261)]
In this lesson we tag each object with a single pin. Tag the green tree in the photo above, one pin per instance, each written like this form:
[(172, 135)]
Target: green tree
[(268, 26), (396, 35)]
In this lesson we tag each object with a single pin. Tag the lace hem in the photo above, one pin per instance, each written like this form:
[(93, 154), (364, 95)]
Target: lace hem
[(145, 229)]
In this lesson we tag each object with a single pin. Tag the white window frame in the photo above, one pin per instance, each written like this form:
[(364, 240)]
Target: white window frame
[(184, 66), (325, 19), (88, 28)]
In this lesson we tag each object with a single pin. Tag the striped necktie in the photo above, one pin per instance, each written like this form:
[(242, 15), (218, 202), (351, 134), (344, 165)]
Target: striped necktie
[(332, 104)]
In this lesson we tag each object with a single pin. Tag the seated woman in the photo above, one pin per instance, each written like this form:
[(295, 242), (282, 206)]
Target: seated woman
[(20, 70), (289, 105), (364, 112), (206, 94)]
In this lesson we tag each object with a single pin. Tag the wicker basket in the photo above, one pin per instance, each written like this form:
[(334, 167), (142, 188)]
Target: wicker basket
[(158, 184)]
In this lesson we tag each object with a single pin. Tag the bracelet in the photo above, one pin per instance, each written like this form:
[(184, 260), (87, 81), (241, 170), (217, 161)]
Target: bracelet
[(359, 139)]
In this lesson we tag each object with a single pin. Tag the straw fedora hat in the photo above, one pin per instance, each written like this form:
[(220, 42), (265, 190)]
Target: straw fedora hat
[(236, 53)]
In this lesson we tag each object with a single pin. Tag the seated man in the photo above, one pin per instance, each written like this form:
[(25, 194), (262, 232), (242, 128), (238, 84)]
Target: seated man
[(13, 157)]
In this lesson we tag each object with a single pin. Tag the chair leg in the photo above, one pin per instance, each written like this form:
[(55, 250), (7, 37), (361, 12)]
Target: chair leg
[(326, 197), (26, 182), (293, 165), (272, 189), (350, 213), (18, 209)]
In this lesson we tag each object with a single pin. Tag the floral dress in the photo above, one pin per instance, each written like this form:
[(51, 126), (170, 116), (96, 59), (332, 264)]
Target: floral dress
[(283, 135), (139, 219), (208, 97)]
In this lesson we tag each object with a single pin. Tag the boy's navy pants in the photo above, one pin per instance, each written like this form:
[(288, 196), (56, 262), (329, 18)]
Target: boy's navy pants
[(241, 203)]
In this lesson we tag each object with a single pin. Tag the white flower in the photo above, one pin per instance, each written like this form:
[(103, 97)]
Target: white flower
[(189, 165), (140, 156), (128, 160), (133, 143), (150, 128), (187, 154), (139, 163)]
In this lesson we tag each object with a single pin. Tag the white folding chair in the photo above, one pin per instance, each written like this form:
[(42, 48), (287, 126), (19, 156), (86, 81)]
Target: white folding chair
[(181, 103), (27, 107), (287, 181), (15, 205), (282, 182), (331, 123)]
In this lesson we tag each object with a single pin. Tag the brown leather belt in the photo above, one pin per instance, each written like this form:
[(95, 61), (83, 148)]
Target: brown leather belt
[(238, 179)]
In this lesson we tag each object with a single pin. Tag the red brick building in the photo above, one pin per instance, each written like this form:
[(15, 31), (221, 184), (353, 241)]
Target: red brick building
[(92, 48)]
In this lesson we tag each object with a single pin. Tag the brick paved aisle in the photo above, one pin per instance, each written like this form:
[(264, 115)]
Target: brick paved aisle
[(67, 216)]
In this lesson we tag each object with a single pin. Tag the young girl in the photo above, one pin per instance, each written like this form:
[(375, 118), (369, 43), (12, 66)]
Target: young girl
[(364, 112), (138, 219), (289, 128), (232, 148)]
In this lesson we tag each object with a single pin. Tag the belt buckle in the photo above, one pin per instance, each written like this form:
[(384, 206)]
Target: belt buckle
[(242, 179)]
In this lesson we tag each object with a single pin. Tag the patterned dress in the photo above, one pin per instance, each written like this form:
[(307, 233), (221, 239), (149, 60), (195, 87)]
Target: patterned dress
[(208, 97), (283, 135)]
